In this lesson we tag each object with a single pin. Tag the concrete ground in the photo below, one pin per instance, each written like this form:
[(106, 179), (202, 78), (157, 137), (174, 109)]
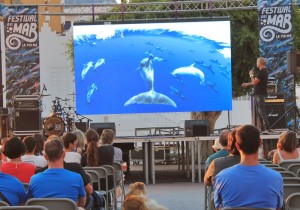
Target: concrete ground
[(176, 195), (173, 188)]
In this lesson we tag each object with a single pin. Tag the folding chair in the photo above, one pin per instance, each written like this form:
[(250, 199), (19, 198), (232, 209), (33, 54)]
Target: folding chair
[(291, 180), (111, 173), (269, 165), (293, 202), (294, 168), (94, 178), (23, 208), (208, 197), (265, 162), (103, 175), (53, 203), (287, 174), (289, 189), (278, 169), (287, 164), (119, 172)]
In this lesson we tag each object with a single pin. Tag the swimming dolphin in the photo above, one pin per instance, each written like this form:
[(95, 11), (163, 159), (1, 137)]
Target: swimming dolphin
[(189, 70), (151, 97), (212, 86), (177, 92), (90, 92), (99, 62), (86, 68)]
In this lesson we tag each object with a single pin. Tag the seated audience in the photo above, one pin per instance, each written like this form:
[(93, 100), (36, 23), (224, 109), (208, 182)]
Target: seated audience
[(57, 182), (70, 143), (223, 152), (221, 163), (81, 141), (248, 184), (107, 139), (95, 155), (98, 156), (39, 144), (14, 148), (29, 157), (287, 148), (12, 190), (75, 167)]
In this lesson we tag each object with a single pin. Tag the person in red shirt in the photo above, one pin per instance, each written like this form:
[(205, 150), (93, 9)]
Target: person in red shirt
[(14, 148)]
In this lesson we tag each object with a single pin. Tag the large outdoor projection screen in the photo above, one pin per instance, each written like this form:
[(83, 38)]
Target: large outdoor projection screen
[(178, 66)]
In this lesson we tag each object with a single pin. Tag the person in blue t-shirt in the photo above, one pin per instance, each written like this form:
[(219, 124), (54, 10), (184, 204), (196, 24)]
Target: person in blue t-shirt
[(248, 184), (12, 189), (57, 182)]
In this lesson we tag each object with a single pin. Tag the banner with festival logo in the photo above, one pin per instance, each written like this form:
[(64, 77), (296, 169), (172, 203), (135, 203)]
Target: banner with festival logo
[(21, 51), (276, 41)]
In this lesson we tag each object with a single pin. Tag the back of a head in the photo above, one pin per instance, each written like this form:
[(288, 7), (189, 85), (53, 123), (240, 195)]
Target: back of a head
[(231, 143), (69, 138), (81, 138), (107, 136), (288, 141), (30, 143), (39, 143), (248, 138), (223, 139), (134, 202), (91, 135), (54, 149), (14, 148), (92, 138)]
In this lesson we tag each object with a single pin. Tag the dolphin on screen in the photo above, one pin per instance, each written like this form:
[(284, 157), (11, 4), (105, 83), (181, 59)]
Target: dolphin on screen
[(86, 68), (91, 90), (189, 70), (150, 97)]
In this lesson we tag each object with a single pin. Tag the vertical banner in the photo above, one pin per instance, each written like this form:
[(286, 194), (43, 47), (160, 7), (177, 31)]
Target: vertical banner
[(275, 21), (21, 51)]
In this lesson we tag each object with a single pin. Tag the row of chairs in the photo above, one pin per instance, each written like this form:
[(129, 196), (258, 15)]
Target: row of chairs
[(104, 172), (43, 204), (290, 172), (96, 174)]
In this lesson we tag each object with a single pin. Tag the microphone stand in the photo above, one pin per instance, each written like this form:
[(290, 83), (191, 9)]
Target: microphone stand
[(83, 117)]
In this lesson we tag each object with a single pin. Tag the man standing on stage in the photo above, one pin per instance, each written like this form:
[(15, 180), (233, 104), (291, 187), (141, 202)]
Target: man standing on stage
[(260, 82)]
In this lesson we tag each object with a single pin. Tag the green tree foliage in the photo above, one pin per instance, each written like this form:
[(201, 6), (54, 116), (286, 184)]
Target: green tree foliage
[(296, 22), (244, 46), (70, 53)]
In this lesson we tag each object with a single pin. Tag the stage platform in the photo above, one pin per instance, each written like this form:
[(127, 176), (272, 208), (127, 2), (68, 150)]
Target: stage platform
[(189, 152)]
